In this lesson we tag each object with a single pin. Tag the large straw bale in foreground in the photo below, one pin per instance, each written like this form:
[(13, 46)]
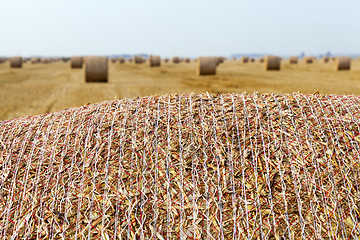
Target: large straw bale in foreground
[(16, 62), (154, 61), (227, 166), (206, 66), (342, 63), (76, 62), (272, 62), (96, 69)]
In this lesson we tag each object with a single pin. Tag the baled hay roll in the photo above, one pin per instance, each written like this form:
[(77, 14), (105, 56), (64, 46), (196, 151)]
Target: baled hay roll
[(154, 61), (293, 60), (166, 60), (96, 69), (342, 63), (175, 60), (308, 60), (186, 60), (244, 59), (113, 60), (45, 60), (206, 66), (121, 60), (138, 59), (325, 59), (16, 62), (130, 60), (272, 62), (222, 166), (76, 62), (35, 60), (2, 60), (261, 60), (252, 59)]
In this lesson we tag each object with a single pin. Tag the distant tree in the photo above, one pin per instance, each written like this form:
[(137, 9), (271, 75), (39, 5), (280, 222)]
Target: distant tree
[(302, 55), (328, 54)]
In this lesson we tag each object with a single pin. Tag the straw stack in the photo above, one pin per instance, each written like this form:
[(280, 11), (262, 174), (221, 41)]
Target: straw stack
[(154, 61), (175, 60), (206, 66), (76, 61), (272, 62), (35, 60), (138, 59), (166, 60), (244, 59), (325, 59), (96, 69), (187, 60), (293, 60), (261, 60), (121, 60), (16, 62), (342, 63), (113, 60), (308, 59), (2, 60)]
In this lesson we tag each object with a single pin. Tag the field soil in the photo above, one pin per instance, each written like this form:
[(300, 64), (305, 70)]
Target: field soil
[(44, 88)]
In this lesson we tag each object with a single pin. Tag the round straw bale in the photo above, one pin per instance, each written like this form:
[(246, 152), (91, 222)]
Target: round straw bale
[(130, 60), (2, 60), (244, 59), (113, 60), (293, 60), (175, 60), (252, 59), (206, 66), (121, 60), (325, 59), (308, 59), (166, 60), (261, 60), (187, 60), (96, 69), (154, 61), (342, 63), (76, 61), (35, 60), (16, 62), (138, 59), (272, 62), (45, 60)]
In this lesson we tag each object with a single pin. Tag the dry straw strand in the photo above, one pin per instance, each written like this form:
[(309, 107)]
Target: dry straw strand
[(96, 69)]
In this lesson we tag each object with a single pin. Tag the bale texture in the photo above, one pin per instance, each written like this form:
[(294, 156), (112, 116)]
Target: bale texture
[(154, 61), (121, 60), (76, 62), (293, 60), (16, 62), (96, 69), (342, 63), (206, 66), (272, 62), (175, 60), (224, 166)]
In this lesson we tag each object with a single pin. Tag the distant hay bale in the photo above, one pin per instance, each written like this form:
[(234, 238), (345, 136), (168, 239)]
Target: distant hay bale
[(45, 60), (206, 66), (272, 62), (138, 59), (113, 60), (154, 61), (76, 61), (244, 59), (252, 59), (166, 60), (121, 60), (187, 60), (261, 60), (2, 60), (325, 59), (342, 63), (308, 59), (130, 60), (175, 60), (96, 69), (293, 60), (35, 60), (16, 62)]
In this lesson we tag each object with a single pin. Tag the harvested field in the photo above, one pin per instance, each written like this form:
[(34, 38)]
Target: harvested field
[(37, 88), (277, 166)]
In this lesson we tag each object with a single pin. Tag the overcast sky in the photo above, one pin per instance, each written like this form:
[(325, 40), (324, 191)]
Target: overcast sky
[(184, 28)]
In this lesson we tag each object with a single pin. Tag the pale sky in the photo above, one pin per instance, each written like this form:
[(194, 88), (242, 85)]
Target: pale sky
[(183, 28)]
